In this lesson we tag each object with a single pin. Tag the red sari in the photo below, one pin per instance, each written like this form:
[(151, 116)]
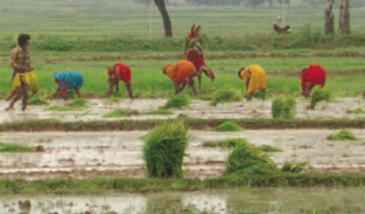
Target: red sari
[(125, 73), (315, 75)]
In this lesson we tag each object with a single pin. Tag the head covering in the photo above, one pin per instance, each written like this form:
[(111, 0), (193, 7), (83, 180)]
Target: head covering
[(193, 31)]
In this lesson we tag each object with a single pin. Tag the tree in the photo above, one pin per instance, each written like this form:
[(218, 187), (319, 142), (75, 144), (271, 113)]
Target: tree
[(344, 27), (255, 3), (165, 16), (329, 18)]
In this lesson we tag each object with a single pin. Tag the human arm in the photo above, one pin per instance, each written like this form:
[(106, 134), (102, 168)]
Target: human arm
[(13, 62)]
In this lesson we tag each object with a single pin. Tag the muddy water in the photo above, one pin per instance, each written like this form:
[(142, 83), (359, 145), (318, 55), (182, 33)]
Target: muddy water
[(253, 200), (82, 154), (338, 108)]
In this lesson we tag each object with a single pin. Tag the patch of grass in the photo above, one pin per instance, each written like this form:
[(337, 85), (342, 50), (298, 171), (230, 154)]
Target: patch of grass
[(12, 147), (359, 111), (260, 95), (119, 113), (161, 112), (267, 148), (228, 127), (246, 159), (38, 100), (225, 95), (283, 107), (294, 167), (77, 104), (113, 99), (178, 101), (164, 150), (60, 108), (344, 134), (228, 143), (318, 96), (208, 96)]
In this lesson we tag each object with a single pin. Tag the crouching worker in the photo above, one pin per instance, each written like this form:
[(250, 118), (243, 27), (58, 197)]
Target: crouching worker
[(255, 79), (119, 72), (181, 73), (69, 80), (314, 75)]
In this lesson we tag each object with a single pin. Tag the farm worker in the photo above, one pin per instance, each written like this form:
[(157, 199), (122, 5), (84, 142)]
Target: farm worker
[(255, 79), (314, 75), (193, 52), (119, 72), (20, 62), (69, 80), (33, 85), (181, 73)]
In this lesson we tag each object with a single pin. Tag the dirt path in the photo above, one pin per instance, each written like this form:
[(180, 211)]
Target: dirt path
[(338, 108), (83, 154)]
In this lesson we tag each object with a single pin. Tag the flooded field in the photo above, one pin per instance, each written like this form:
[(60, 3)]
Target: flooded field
[(83, 154), (338, 108), (310, 200)]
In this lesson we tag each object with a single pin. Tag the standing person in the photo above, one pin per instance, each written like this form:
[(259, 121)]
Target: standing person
[(118, 72), (255, 79), (20, 62), (67, 81), (181, 73), (311, 76), (193, 52)]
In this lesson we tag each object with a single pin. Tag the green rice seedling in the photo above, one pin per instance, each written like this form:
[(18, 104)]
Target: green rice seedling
[(260, 95), (225, 95), (267, 148), (283, 107), (113, 99), (318, 96), (78, 103), (12, 147), (178, 101), (71, 94), (359, 111), (246, 159), (37, 100), (344, 134), (206, 97), (228, 127), (228, 143), (164, 150), (119, 113), (294, 167), (59, 108), (161, 112)]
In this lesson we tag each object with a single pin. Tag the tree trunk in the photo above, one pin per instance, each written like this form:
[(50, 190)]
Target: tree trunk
[(344, 27), (165, 16), (329, 18)]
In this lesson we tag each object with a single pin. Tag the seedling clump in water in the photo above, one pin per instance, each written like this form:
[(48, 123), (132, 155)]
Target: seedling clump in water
[(319, 95), (119, 113), (177, 101), (228, 127), (344, 134), (164, 150), (12, 147), (283, 107), (225, 95), (74, 105), (161, 112), (232, 142)]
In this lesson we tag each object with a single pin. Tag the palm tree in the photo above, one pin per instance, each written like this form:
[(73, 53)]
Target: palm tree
[(165, 16)]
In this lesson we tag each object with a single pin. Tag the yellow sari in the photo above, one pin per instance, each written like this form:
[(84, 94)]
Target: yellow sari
[(257, 76)]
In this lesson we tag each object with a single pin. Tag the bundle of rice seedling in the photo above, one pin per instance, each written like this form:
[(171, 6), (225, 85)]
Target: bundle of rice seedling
[(260, 95), (178, 101), (344, 134), (359, 111), (161, 112), (164, 150), (283, 107), (228, 127), (228, 143), (37, 100), (119, 113), (206, 97), (246, 159), (294, 167), (225, 95), (78, 103), (71, 94), (113, 99), (12, 147), (319, 95), (267, 148)]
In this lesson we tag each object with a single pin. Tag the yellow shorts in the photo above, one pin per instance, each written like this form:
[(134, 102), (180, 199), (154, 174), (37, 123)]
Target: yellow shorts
[(20, 78)]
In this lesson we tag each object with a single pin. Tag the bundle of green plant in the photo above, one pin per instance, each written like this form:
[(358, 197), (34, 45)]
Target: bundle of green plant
[(319, 95), (161, 111), (359, 111), (119, 113), (38, 100), (60, 108), (294, 167), (283, 107), (113, 99), (228, 127), (178, 101), (260, 95), (206, 97), (11, 147), (164, 150), (78, 103), (71, 94), (267, 148), (344, 134), (225, 95), (246, 159), (228, 143)]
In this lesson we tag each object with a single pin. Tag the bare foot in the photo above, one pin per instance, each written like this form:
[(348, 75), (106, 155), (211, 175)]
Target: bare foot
[(9, 108)]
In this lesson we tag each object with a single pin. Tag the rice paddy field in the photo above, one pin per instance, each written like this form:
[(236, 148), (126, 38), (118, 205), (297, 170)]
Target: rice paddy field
[(160, 153)]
